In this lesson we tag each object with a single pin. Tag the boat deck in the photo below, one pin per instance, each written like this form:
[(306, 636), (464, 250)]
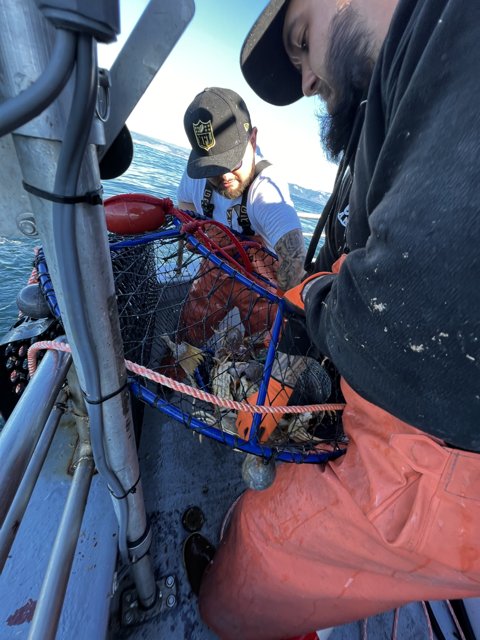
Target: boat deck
[(180, 470)]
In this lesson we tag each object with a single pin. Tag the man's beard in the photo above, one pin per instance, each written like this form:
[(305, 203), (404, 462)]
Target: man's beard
[(349, 64), (233, 194)]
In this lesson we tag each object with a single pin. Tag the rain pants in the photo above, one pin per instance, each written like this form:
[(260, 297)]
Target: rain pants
[(395, 520)]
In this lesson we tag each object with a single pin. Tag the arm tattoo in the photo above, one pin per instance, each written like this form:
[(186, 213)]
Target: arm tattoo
[(290, 250)]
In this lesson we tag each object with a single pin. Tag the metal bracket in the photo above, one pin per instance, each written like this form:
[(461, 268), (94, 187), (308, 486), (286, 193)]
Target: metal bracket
[(132, 613)]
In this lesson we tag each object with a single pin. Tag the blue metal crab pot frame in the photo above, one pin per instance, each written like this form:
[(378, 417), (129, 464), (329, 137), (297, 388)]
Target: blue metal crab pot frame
[(162, 280)]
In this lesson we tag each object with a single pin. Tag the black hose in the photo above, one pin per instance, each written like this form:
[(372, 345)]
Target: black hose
[(22, 108)]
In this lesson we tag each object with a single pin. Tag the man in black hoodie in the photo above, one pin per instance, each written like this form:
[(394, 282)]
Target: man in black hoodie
[(397, 518)]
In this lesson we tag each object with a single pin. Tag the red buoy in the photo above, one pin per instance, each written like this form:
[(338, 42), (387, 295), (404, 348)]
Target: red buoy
[(132, 213)]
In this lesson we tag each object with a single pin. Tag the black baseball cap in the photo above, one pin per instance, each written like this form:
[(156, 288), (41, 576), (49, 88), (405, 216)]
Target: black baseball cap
[(218, 127), (264, 61)]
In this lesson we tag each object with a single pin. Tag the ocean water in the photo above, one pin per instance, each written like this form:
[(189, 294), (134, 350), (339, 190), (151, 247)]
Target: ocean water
[(156, 169)]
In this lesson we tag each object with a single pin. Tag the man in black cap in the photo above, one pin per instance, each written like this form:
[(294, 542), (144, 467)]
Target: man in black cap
[(228, 181), (396, 519)]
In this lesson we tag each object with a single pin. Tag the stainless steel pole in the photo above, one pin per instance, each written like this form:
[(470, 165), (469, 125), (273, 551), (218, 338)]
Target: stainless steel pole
[(37, 147)]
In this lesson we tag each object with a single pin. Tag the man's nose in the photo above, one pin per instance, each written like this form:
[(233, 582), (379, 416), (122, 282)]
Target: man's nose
[(309, 81)]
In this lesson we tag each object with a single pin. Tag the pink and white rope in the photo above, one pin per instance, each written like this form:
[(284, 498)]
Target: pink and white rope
[(33, 279), (184, 388)]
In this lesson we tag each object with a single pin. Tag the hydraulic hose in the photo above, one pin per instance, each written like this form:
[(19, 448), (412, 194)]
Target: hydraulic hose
[(69, 166), (22, 108)]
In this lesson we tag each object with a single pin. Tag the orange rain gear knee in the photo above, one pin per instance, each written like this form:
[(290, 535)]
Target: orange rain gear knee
[(395, 520)]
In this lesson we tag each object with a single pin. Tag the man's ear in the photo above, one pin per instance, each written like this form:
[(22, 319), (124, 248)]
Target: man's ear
[(253, 138)]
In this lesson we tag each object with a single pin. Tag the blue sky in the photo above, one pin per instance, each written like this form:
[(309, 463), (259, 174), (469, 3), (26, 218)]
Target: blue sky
[(207, 54)]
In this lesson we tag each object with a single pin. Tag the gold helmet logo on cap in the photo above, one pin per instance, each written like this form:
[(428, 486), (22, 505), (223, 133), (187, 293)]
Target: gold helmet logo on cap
[(204, 134)]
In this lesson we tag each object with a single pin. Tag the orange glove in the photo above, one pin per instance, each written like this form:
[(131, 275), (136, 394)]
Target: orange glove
[(294, 296), (277, 396)]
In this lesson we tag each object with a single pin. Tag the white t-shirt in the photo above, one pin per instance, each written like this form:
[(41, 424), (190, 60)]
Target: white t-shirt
[(269, 206)]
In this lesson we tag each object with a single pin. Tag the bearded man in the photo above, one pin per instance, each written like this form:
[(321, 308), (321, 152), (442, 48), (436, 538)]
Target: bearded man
[(349, 60), (396, 519), (223, 160)]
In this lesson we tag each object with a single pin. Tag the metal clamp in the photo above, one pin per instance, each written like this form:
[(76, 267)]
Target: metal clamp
[(132, 613), (140, 547)]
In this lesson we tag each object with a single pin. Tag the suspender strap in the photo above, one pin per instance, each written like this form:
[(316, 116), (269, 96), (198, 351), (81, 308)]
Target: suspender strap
[(242, 216), (207, 206), (259, 167)]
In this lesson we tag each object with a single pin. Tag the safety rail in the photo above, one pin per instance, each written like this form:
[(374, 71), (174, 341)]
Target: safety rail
[(49, 607), (23, 429), (24, 444), (19, 504)]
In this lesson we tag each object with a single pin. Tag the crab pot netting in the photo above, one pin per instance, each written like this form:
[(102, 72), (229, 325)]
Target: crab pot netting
[(199, 306)]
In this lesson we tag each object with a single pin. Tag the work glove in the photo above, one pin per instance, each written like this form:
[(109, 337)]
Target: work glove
[(295, 297)]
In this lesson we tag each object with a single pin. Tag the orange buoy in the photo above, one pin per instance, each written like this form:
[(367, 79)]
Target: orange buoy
[(132, 213)]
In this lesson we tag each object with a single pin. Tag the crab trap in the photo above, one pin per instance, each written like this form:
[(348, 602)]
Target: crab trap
[(202, 329)]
